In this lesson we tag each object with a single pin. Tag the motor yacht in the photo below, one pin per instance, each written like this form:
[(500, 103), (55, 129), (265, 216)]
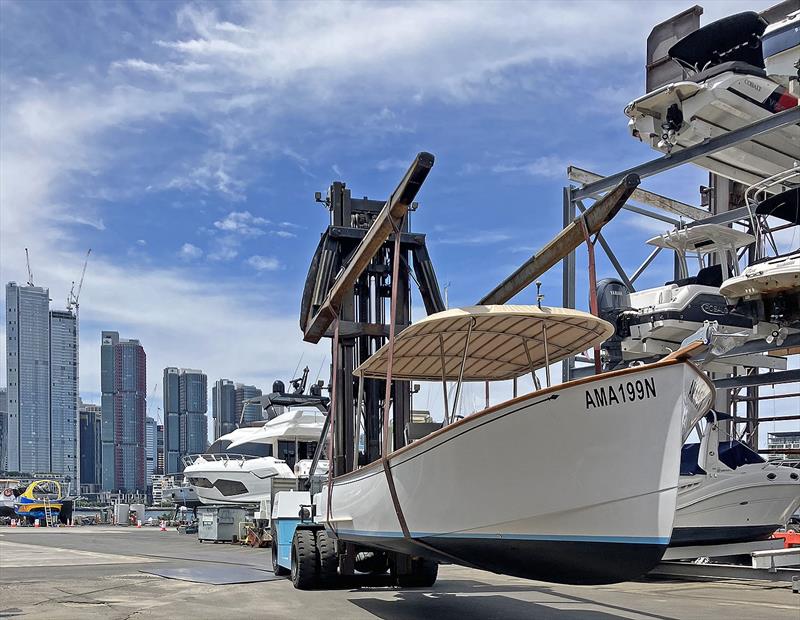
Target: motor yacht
[(238, 468), (502, 489), (654, 322), (726, 87), (728, 493)]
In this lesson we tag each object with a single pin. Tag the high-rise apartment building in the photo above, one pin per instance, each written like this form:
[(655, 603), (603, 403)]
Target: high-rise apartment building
[(247, 412), (223, 406), (91, 422), (3, 425), (42, 375), (150, 449), (123, 384), (64, 438), (185, 419), (160, 449)]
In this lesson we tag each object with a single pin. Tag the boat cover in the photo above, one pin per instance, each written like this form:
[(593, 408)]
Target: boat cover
[(497, 344), (736, 37), (785, 206)]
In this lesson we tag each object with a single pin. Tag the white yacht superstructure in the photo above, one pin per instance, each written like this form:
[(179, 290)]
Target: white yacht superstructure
[(238, 467)]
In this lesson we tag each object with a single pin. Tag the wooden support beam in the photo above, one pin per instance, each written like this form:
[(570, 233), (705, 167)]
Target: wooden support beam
[(642, 196), (597, 216), (386, 221)]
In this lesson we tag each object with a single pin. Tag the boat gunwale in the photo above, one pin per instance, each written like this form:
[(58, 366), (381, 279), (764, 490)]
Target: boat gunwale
[(678, 357)]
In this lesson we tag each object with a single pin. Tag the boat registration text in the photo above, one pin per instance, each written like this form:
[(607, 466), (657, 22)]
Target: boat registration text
[(626, 392)]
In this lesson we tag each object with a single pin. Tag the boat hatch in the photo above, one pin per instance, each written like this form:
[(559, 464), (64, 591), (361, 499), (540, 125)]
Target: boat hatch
[(487, 343)]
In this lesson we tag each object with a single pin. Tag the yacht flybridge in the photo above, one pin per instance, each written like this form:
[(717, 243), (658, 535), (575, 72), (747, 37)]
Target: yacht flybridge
[(727, 87), (581, 503)]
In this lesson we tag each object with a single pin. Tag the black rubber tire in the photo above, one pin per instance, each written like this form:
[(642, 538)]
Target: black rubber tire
[(277, 569), (424, 574), (328, 559), (305, 560)]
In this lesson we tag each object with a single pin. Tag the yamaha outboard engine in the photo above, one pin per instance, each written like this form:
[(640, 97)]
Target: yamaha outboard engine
[(613, 298)]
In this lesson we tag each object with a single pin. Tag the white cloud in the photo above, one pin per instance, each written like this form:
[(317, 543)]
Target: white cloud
[(242, 223), (189, 252), (263, 263), (479, 237), (285, 234), (546, 166)]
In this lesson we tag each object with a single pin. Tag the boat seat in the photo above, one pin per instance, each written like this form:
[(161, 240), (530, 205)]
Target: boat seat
[(707, 276), (682, 281), (689, 466), (735, 66)]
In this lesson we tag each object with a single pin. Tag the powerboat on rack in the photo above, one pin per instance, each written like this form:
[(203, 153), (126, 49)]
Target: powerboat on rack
[(781, 47), (238, 468), (543, 486), (726, 88), (39, 498), (181, 494), (769, 288), (654, 322), (728, 493)]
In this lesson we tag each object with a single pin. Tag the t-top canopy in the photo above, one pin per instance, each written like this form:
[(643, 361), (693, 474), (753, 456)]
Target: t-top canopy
[(504, 342), (703, 238)]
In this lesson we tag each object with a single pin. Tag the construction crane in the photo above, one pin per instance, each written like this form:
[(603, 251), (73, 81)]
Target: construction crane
[(28, 264), (150, 405), (72, 299)]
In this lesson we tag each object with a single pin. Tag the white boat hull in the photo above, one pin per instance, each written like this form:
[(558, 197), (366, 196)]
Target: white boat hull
[(569, 484), (771, 277), (235, 481), (736, 506)]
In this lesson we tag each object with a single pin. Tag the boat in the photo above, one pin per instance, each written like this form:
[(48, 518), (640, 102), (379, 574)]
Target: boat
[(545, 486), (781, 48), (654, 322), (238, 468), (181, 494), (726, 87), (40, 497), (8, 487), (769, 288), (728, 493)]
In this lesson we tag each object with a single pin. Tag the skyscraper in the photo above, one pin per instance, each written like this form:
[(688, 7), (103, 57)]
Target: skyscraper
[(123, 383), (252, 412), (160, 449), (3, 426), (64, 455), (28, 374), (185, 409), (150, 449), (42, 373), (223, 399), (91, 422)]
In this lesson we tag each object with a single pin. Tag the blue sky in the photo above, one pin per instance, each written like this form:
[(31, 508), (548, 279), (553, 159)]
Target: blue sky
[(183, 143)]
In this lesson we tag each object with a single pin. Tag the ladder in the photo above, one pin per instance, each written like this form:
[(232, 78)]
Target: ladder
[(49, 521)]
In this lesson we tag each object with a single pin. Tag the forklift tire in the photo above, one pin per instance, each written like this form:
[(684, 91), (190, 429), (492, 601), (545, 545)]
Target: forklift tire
[(424, 574), (277, 569), (305, 570), (328, 558)]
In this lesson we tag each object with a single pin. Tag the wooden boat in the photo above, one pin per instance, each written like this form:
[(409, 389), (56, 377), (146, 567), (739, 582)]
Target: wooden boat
[(572, 483)]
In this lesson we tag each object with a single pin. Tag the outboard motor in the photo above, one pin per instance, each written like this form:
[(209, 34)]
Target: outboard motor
[(613, 298), (278, 387)]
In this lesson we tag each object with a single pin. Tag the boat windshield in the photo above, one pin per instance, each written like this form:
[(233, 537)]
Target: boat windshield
[(250, 448)]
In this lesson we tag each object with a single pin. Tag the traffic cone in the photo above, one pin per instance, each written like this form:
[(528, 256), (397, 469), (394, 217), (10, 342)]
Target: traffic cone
[(36, 523), (163, 527), (13, 523), (138, 524)]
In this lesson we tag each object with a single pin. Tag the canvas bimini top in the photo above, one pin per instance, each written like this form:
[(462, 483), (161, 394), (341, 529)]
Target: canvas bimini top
[(502, 342)]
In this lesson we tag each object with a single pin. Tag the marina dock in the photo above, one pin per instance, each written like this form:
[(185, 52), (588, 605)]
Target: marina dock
[(102, 572)]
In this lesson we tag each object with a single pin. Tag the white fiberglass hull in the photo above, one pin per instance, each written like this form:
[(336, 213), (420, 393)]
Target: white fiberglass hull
[(235, 481), (573, 484), (771, 277), (714, 107), (738, 506)]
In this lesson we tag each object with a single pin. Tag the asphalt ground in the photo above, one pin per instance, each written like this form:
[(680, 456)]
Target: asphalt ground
[(95, 572)]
